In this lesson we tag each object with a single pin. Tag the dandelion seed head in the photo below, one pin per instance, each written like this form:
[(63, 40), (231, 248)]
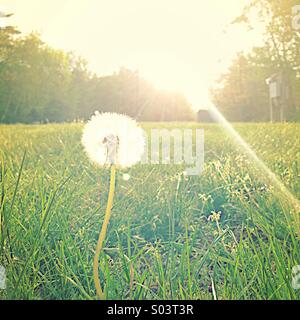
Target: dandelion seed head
[(111, 138)]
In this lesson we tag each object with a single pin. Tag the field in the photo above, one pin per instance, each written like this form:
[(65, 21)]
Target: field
[(166, 239)]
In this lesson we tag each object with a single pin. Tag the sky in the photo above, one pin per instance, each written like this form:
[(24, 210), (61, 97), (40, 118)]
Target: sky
[(177, 45)]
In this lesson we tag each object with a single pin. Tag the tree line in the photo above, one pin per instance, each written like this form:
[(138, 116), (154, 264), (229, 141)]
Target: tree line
[(42, 84), (242, 93)]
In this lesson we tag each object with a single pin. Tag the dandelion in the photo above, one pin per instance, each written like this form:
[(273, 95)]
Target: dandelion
[(112, 140)]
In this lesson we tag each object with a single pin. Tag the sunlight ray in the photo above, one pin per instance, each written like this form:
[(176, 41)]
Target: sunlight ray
[(269, 174)]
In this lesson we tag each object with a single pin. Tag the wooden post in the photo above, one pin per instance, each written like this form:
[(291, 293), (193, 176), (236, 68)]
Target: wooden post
[(282, 119), (271, 110)]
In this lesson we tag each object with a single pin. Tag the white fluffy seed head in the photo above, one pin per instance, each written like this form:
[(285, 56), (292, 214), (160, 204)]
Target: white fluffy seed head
[(111, 138)]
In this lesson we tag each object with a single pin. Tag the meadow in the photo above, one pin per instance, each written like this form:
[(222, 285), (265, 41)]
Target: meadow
[(226, 234)]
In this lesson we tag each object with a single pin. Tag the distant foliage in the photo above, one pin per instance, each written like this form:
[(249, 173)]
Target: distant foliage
[(242, 93), (41, 84)]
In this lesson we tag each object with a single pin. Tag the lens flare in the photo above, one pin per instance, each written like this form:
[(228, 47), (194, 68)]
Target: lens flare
[(273, 179)]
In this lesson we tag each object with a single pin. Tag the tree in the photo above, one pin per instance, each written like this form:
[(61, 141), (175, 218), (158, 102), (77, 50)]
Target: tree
[(242, 95), (39, 83), (280, 53), (33, 77)]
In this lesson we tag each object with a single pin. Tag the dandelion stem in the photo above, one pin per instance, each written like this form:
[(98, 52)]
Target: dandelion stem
[(103, 231)]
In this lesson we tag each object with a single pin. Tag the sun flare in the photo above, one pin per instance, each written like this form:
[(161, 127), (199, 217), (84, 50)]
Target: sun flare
[(178, 46)]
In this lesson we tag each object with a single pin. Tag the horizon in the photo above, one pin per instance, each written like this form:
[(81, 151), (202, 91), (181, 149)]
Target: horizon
[(154, 49)]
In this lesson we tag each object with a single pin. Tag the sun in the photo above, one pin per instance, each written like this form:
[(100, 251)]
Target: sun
[(162, 70), (170, 73)]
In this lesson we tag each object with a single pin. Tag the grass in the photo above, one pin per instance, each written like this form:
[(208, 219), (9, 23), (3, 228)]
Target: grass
[(160, 242)]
